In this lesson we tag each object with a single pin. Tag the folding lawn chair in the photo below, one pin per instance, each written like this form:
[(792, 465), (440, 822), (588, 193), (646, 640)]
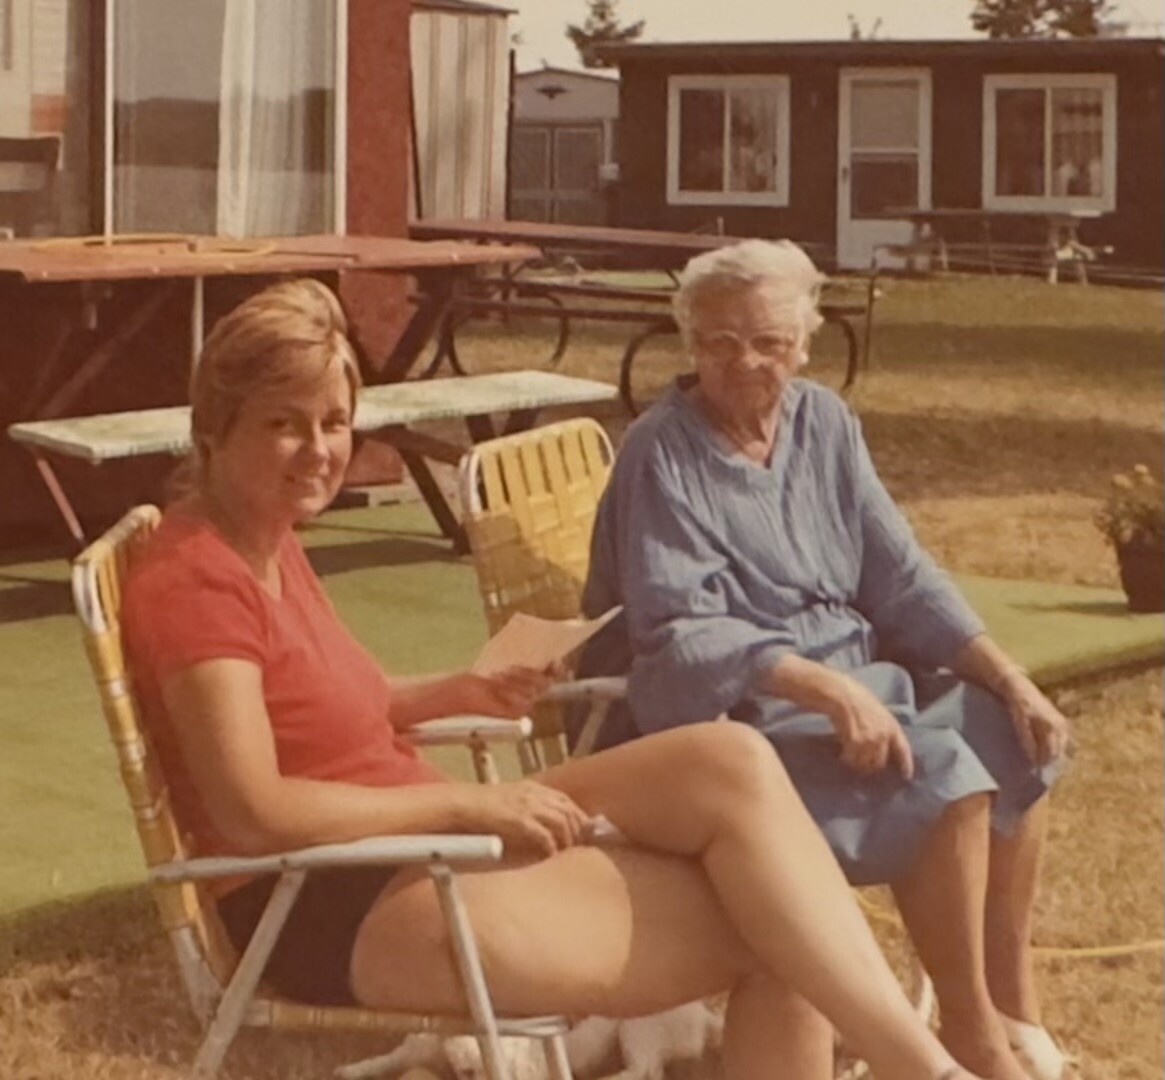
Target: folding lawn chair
[(226, 990), (529, 502)]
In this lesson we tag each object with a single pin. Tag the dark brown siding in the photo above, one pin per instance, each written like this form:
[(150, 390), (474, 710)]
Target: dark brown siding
[(812, 211), (1136, 230)]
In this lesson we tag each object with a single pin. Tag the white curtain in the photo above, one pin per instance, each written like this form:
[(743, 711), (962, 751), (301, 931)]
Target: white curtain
[(274, 170)]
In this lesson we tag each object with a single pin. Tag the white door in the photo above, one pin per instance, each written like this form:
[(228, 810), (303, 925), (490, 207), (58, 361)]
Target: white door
[(883, 159)]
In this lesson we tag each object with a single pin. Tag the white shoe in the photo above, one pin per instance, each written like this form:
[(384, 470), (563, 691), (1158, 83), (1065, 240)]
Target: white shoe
[(1035, 1048)]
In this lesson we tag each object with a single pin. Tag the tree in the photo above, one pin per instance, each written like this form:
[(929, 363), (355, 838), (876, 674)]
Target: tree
[(601, 27), (1080, 18), (856, 33), (1040, 18)]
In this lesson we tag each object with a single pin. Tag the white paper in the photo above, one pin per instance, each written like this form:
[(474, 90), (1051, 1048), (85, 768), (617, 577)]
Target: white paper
[(531, 642)]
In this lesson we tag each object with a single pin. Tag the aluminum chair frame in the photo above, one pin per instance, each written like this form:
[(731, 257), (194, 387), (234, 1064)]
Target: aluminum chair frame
[(226, 996)]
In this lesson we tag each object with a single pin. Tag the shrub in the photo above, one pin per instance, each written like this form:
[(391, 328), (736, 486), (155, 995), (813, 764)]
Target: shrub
[(1133, 515)]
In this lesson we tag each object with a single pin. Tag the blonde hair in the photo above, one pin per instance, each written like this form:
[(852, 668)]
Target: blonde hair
[(752, 263), (288, 335)]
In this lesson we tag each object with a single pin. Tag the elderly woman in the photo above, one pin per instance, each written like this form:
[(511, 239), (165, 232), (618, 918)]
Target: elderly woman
[(767, 575), (277, 730)]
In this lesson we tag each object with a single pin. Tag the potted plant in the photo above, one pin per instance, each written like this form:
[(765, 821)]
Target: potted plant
[(1133, 519)]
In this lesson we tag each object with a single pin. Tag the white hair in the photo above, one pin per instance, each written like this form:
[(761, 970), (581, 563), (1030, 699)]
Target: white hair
[(780, 264)]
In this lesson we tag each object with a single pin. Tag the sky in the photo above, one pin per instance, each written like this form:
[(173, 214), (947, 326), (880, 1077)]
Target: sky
[(541, 23)]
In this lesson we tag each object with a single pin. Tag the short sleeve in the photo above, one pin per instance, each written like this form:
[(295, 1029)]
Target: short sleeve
[(180, 616)]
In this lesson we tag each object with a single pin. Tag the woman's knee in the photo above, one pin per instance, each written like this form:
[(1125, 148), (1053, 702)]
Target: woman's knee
[(736, 760), (971, 812)]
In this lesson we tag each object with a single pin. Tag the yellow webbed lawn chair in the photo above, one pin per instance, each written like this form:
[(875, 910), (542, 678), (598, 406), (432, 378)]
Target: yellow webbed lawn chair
[(226, 991), (529, 502)]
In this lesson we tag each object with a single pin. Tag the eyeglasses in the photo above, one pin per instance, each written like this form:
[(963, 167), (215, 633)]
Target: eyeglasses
[(725, 346)]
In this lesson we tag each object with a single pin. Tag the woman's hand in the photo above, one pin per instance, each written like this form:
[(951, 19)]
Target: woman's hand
[(871, 738), (509, 693), (1043, 730), (526, 814)]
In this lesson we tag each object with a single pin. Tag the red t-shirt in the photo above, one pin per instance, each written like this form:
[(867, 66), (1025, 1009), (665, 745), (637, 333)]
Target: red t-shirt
[(191, 597)]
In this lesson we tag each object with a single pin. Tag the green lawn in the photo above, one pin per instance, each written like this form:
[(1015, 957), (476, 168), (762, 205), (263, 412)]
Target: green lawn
[(977, 386), (64, 829)]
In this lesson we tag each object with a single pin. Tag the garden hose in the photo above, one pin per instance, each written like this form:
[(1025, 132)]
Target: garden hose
[(879, 914)]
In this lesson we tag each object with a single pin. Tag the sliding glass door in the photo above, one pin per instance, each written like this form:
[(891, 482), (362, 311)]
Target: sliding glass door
[(224, 116), (216, 117), (48, 146)]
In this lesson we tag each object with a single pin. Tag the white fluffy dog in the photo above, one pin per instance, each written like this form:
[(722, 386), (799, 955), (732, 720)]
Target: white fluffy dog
[(646, 1043)]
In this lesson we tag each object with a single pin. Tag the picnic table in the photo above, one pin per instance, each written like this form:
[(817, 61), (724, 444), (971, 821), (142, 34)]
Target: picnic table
[(645, 310), (386, 412), (937, 232), (654, 249), (82, 329), (81, 271)]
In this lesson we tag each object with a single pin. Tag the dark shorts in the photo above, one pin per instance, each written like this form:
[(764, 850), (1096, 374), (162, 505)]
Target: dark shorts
[(311, 959)]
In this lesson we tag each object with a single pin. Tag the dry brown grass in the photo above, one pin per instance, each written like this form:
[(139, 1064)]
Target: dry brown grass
[(996, 414)]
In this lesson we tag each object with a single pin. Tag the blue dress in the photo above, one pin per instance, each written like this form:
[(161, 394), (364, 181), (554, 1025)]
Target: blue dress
[(724, 565)]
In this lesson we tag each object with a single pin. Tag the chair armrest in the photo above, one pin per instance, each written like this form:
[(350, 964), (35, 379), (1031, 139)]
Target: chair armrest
[(459, 730), (600, 688), (373, 850)]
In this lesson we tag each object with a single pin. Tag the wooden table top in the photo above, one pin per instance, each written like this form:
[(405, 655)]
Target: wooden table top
[(66, 259)]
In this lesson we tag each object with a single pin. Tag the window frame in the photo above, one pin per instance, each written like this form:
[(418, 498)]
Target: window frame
[(14, 14), (676, 84), (7, 35), (1107, 84), (339, 225)]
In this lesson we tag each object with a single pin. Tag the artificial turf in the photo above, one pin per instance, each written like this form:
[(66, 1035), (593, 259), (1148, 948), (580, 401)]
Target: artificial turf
[(64, 828)]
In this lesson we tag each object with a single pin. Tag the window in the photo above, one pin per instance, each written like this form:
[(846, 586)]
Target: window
[(887, 142), (7, 35), (224, 116), (46, 164), (728, 140), (1049, 142)]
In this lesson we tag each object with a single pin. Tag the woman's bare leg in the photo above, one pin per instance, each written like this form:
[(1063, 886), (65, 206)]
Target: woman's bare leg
[(716, 792), (942, 902), (623, 932), (612, 932), (766, 1022), (1013, 874)]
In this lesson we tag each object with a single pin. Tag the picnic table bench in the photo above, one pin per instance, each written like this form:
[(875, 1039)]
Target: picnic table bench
[(565, 300), (384, 412), (973, 234), (647, 310)]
